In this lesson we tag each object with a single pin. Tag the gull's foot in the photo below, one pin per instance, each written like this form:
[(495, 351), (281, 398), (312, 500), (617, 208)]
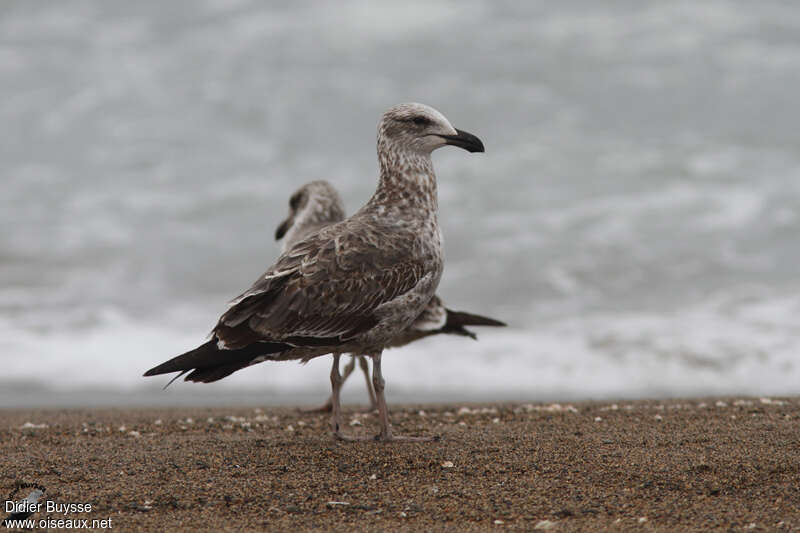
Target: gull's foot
[(324, 408)]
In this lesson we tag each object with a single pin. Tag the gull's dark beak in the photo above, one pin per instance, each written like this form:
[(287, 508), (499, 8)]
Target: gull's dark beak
[(464, 140), (282, 229)]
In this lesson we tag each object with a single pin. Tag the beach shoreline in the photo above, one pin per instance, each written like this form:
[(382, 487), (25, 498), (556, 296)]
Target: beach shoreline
[(663, 465)]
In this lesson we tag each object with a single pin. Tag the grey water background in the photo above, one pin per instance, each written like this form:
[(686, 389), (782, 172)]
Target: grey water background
[(634, 219)]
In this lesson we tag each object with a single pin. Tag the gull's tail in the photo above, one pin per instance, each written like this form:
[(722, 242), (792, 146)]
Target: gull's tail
[(208, 362), (456, 320)]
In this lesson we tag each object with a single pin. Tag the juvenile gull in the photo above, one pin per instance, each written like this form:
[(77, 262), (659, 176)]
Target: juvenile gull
[(353, 286), (316, 205)]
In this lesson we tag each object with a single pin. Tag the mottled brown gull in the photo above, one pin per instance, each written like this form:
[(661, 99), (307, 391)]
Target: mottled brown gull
[(353, 286), (317, 204)]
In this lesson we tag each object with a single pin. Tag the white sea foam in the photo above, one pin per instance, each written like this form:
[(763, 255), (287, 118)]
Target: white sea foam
[(742, 345)]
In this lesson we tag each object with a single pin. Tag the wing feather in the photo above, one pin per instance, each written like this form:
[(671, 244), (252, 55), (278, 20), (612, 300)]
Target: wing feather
[(325, 289)]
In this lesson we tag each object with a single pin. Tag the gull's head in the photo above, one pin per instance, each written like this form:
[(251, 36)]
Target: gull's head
[(422, 129), (312, 206)]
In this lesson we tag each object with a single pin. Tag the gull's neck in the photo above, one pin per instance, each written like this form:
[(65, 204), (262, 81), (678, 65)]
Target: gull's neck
[(314, 216), (406, 181)]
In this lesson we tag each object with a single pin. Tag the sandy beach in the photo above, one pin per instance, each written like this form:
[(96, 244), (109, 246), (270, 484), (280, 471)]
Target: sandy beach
[(729, 464)]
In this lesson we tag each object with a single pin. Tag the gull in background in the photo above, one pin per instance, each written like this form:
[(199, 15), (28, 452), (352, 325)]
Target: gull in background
[(317, 204), (353, 286)]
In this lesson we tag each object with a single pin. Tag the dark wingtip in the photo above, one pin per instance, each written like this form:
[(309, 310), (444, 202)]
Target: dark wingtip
[(173, 379), (452, 329), (460, 318), (163, 368), (208, 363), (186, 361)]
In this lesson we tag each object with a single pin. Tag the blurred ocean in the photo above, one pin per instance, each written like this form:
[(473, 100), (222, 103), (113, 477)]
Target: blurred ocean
[(635, 219)]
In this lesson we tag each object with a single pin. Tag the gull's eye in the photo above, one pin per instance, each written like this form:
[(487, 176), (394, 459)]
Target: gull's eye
[(294, 201), (421, 121)]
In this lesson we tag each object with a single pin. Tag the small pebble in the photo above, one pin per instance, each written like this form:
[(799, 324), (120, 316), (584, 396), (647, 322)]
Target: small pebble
[(598, 419), (31, 425), (499, 522), (337, 504), (544, 524), (447, 464)]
